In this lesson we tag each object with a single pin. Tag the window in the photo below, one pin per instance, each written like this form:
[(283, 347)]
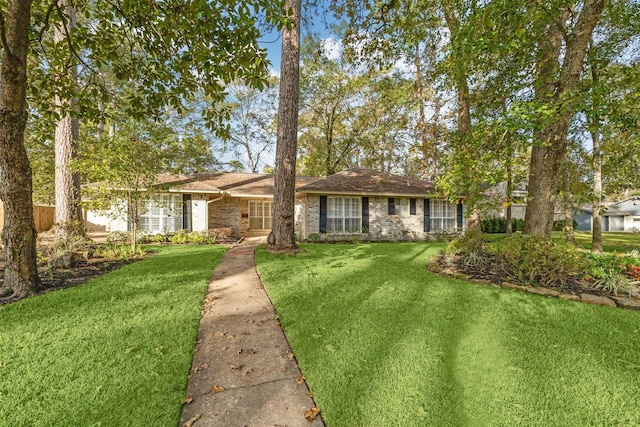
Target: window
[(161, 213), (442, 216), (343, 214), (260, 215), (402, 207)]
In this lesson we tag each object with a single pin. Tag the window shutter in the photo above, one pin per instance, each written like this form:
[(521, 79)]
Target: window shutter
[(412, 206), (459, 207), (186, 212), (323, 214), (392, 206), (365, 214), (427, 214)]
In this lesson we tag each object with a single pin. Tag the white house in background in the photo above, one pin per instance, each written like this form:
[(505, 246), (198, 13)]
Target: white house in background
[(352, 201)]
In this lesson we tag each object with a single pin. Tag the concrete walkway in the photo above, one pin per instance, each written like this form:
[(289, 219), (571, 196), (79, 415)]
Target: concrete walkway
[(244, 372)]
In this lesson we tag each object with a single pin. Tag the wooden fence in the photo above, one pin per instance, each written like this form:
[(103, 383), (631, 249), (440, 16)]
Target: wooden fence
[(42, 216)]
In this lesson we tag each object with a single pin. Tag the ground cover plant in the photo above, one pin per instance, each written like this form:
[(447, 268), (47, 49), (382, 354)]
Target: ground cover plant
[(383, 341), (114, 351)]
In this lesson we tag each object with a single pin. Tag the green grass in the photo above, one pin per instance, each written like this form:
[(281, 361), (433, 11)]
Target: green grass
[(115, 352), (620, 242), (382, 341)]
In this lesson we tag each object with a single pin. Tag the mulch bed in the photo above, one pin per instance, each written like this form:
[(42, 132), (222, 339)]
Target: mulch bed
[(53, 279)]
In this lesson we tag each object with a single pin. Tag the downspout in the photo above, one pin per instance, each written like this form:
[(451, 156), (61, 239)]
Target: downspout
[(224, 193)]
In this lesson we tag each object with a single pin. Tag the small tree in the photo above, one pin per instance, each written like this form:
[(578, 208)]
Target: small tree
[(126, 167)]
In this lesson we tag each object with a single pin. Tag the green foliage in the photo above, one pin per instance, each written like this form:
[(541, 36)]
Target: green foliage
[(472, 241), (614, 282), (539, 260), (119, 237), (499, 225), (118, 250), (559, 225), (313, 237), (180, 237), (195, 237)]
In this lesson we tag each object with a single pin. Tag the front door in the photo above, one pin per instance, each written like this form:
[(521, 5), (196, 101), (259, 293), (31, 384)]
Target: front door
[(260, 215)]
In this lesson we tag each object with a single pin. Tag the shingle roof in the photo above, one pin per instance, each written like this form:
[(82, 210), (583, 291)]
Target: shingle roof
[(234, 183), (368, 181)]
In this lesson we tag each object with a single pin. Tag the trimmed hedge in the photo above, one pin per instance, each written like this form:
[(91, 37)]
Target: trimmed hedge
[(499, 225)]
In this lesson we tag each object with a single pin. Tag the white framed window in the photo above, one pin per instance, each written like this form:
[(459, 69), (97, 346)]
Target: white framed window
[(161, 213), (442, 216), (344, 214), (401, 207), (260, 215)]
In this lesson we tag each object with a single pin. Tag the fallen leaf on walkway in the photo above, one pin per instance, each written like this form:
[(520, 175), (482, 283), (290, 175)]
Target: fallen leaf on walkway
[(200, 368), (311, 414), (230, 337), (215, 389), (219, 333), (310, 395), (245, 333), (291, 356), (301, 379), (190, 422), (247, 371), (187, 400), (237, 367), (246, 351)]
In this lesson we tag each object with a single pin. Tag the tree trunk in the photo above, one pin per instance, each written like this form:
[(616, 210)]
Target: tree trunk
[(509, 200), (19, 232), (596, 236), (282, 236), (596, 240), (546, 157), (68, 214), (566, 204)]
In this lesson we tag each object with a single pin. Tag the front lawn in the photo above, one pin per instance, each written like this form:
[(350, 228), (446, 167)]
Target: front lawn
[(383, 341), (620, 242), (116, 351)]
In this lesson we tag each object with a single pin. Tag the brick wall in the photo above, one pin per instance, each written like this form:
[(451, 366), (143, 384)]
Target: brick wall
[(381, 224), (225, 213)]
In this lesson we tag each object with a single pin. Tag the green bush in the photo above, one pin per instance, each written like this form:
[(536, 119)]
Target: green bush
[(540, 260), (195, 237), (471, 241), (499, 225), (119, 237), (179, 237)]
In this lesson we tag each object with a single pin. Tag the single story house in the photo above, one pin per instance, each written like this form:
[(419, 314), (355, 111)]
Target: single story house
[(353, 201), (612, 219)]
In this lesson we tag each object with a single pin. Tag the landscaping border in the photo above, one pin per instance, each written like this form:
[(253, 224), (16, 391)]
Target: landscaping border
[(613, 301)]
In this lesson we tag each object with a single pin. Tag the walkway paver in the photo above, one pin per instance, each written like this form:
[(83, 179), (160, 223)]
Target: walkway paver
[(244, 372)]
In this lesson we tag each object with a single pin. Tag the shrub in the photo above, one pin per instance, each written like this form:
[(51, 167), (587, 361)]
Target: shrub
[(538, 259), (195, 237), (179, 237), (119, 237), (119, 251), (614, 282), (499, 225), (471, 241)]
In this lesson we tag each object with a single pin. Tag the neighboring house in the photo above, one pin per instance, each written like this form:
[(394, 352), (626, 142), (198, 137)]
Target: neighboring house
[(632, 207), (353, 201), (612, 219)]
